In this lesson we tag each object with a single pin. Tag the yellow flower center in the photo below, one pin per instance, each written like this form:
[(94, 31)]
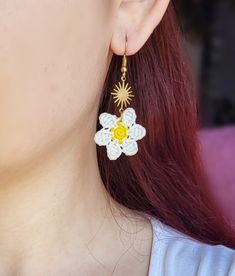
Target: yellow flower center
[(120, 132)]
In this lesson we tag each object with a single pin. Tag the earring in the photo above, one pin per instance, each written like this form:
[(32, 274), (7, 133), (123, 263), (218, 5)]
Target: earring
[(119, 134)]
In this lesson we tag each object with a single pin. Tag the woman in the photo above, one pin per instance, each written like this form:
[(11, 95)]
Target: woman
[(65, 207)]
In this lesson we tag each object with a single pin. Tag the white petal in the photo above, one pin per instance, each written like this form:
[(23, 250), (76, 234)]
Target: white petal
[(102, 137), (113, 150), (128, 116), (129, 147), (136, 132), (107, 120)]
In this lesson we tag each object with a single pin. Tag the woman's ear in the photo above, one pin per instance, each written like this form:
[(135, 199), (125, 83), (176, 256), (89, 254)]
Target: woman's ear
[(136, 19)]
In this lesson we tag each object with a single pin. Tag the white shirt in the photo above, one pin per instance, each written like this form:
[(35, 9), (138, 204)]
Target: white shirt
[(176, 254)]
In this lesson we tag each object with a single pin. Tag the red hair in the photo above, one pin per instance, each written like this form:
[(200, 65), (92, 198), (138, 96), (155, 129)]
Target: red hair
[(166, 178)]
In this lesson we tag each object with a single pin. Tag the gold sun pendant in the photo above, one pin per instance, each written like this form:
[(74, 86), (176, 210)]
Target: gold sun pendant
[(122, 94)]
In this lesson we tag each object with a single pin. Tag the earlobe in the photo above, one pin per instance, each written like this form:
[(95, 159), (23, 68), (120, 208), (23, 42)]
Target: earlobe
[(136, 20)]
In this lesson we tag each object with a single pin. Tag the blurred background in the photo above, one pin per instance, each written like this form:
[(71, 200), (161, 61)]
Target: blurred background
[(209, 31)]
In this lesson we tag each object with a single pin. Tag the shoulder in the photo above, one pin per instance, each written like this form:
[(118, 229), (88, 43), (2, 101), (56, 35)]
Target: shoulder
[(174, 253)]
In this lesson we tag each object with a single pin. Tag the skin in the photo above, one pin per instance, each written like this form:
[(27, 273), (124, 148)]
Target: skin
[(55, 214)]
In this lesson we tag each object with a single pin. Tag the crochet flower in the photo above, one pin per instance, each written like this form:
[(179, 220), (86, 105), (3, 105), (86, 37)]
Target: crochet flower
[(119, 134)]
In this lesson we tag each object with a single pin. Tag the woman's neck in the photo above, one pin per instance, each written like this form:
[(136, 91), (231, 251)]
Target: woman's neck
[(55, 216), (47, 202)]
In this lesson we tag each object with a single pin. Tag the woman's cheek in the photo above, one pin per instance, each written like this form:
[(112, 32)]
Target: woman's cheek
[(48, 84)]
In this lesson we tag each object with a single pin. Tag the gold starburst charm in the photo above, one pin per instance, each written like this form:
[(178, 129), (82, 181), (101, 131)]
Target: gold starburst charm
[(122, 94)]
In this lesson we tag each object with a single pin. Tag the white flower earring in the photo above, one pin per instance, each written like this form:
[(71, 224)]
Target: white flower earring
[(119, 134)]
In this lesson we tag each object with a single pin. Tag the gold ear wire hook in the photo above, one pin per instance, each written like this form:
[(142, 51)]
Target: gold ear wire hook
[(124, 62), (122, 93), (125, 44)]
